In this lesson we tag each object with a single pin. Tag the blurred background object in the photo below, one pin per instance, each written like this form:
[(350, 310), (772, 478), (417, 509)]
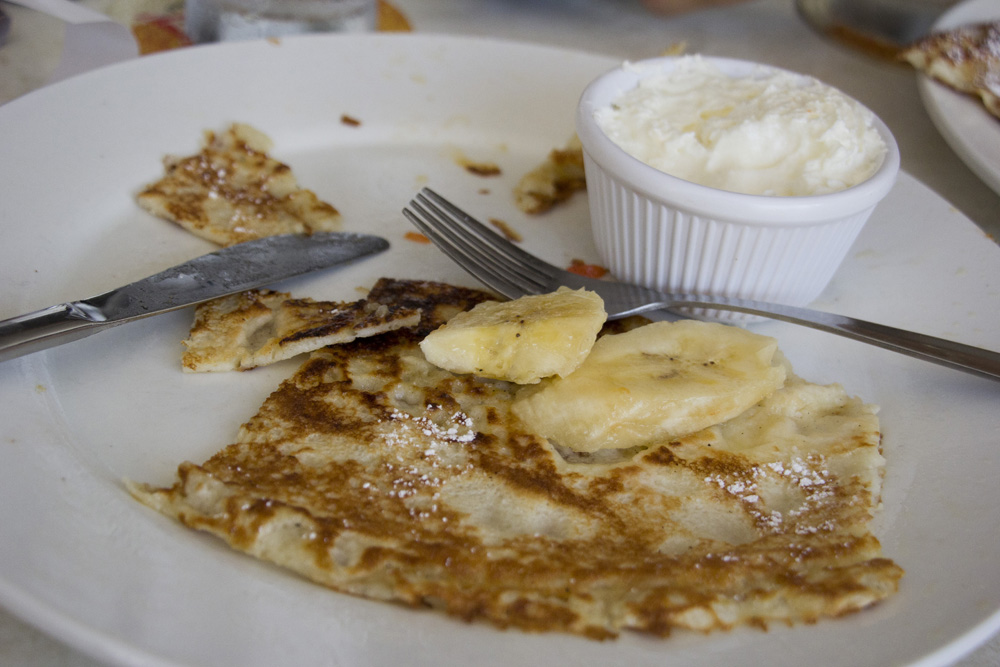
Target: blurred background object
[(879, 27), (679, 6), (4, 27), (231, 20)]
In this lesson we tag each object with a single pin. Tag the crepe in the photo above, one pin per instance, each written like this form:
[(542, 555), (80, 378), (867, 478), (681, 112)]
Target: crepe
[(967, 58), (553, 181), (259, 327), (233, 191), (377, 474)]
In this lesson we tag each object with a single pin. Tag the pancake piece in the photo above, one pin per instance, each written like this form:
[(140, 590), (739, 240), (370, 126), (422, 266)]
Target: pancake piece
[(259, 327), (378, 474), (553, 181), (966, 58), (233, 191)]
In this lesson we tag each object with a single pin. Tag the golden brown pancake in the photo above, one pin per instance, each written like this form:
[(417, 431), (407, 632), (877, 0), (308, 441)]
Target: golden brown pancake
[(553, 181), (377, 474), (259, 327), (233, 191), (967, 58)]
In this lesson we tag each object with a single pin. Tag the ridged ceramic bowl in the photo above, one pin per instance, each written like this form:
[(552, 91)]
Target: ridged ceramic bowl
[(674, 235)]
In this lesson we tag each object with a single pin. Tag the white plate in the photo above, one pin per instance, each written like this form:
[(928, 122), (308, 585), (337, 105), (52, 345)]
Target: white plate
[(963, 121), (83, 561)]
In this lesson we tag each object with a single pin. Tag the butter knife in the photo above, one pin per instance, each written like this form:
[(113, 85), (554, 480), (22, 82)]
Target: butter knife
[(233, 269)]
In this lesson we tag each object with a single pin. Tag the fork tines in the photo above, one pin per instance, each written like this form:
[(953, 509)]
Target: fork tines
[(476, 248)]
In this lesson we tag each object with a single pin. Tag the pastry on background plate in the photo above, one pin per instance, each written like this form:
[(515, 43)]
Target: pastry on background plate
[(967, 58)]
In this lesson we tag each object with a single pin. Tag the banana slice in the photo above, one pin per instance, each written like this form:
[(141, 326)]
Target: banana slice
[(659, 381), (522, 340)]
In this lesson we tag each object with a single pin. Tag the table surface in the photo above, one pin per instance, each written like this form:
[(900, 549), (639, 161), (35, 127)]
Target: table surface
[(763, 30)]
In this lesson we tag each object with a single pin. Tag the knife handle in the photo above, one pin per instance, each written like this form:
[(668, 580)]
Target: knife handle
[(48, 327)]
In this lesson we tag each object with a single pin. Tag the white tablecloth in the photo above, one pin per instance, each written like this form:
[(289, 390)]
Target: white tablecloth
[(762, 30)]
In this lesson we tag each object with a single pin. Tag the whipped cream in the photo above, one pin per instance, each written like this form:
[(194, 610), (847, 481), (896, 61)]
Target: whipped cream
[(768, 133)]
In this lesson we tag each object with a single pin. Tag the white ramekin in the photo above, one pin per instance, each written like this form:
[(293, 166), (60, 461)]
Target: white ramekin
[(677, 236)]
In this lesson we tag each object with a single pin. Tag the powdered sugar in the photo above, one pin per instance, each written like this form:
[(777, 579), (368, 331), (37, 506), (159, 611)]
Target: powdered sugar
[(460, 430), (809, 475)]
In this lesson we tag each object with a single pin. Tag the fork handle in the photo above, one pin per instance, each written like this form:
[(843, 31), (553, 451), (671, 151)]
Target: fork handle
[(975, 360)]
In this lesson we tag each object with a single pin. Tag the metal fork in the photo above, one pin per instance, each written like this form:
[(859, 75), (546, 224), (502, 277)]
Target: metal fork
[(514, 273)]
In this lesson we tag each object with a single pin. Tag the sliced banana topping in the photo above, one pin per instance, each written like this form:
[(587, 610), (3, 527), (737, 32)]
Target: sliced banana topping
[(660, 381), (522, 340)]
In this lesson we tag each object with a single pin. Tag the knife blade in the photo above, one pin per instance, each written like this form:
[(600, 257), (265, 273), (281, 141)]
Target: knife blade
[(227, 271)]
